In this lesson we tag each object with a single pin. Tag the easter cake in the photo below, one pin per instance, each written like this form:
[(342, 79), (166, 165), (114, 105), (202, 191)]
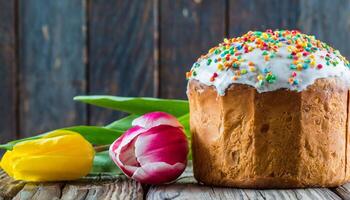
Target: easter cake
[(270, 110)]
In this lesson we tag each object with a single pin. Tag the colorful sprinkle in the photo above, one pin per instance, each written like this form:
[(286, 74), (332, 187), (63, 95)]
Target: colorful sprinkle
[(220, 67), (213, 77), (235, 78), (244, 71), (301, 49), (188, 74), (209, 61), (270, 78), (260, 77)]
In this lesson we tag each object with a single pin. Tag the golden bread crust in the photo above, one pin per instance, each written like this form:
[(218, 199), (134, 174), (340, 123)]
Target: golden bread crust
[(278, 139)]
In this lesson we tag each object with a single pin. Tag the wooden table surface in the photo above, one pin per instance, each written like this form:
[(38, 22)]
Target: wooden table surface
[(120, 187)]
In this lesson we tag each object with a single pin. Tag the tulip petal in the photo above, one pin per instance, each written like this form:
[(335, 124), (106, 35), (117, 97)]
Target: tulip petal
[(122, 151), (56, 141), (6, 163), (127, 159), (153, 151), (161, 144), (57, 156), (51, 168), (153, 119), (127, 137), (159, 172)]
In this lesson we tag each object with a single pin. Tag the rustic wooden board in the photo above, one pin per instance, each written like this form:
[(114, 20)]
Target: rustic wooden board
[(245, 15), (9, 187), (51, 51), (187, 30), (202, 192), (92, 187), (119, 188), (343, 191), (328, 20), (186, 187), (39, 191), (7, 71), (122, 48)]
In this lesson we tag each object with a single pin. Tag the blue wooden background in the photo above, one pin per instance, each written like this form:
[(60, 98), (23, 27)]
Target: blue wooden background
[(52, 50)]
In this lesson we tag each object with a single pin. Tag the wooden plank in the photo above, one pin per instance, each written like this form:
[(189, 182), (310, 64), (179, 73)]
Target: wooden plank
[(187, 188), (101, 186), (9, 187), (41, 191), (52, 68), (324, 19), (343, 191), (120, 188), (188, 29), (122, 48), (203, 192), (328, 20), (7, 71), (245, 15)]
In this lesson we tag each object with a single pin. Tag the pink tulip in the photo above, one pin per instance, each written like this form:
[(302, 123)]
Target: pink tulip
[(153, 151)]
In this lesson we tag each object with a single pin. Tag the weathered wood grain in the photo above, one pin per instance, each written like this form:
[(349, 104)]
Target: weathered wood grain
[(328, 20), (120, 188), (101, 186), (245, 15), (186, 187), (9, 187), (187, 30), (343, 191), (121, 51), (51, 51), (203, 192), (41, 191), (7, 71)]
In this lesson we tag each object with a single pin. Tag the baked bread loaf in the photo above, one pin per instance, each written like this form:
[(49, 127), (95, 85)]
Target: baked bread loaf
[(270, 110)]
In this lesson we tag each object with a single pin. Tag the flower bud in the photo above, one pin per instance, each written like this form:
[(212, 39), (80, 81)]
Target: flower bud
[(153, 151), (59, 155)]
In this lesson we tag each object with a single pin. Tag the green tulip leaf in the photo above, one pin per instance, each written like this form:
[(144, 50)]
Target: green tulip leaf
[(97, 135), (125, 123), (94, 134), (185, 121), (138, 105), (122, 124), (104, 164)]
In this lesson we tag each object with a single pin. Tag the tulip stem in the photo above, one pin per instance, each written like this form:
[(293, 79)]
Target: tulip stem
[(101, 148)]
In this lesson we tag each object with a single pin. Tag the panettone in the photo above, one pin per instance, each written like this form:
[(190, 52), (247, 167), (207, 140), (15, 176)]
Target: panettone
[(270, 110)]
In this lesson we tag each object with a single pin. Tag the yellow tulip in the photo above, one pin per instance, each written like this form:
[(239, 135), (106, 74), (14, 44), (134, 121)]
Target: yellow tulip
[(59, 155)]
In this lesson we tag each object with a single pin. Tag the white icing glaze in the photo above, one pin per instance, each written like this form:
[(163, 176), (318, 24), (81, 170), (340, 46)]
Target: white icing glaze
[(279, 66)]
